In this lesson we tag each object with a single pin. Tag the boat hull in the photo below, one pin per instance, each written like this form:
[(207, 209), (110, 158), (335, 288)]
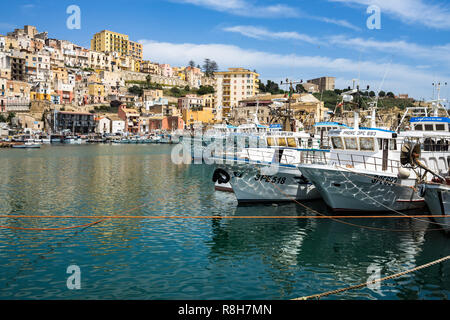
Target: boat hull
[(252, 183), (345, 190), (437, 198)]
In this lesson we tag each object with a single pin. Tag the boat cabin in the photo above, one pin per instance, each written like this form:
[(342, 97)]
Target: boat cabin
[(368, 148)]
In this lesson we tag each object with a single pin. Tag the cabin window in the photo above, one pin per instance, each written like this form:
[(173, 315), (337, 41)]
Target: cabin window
[(393, 144), (428, 127), (291, 142), (282, 142), (337, 143), (367, 144), (418, 127), (270, 142), (310, 143), (440, 127), (300, 144), (351, 144), (262, 143)]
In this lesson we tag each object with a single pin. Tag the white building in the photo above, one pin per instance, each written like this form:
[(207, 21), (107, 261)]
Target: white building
[(104, 125), (117, 125)]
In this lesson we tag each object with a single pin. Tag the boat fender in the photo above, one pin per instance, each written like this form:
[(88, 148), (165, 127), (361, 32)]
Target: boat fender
[(221, 176), (422, 190), (403, 173)]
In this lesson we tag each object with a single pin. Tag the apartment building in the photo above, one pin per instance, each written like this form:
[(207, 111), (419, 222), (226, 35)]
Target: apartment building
[(109, 41), (234, 85)]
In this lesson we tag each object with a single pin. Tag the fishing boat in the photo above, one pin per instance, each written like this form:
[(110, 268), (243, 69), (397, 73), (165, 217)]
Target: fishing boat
[(437, 197), (27, 145), (269, 173)]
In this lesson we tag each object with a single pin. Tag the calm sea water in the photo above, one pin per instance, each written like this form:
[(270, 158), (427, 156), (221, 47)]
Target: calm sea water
[(192, 258)]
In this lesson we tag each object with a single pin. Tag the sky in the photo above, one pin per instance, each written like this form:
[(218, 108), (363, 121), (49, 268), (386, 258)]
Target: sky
[(407, 51)]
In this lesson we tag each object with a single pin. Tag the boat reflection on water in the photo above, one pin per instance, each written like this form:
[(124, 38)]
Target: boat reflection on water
[(310, 256)]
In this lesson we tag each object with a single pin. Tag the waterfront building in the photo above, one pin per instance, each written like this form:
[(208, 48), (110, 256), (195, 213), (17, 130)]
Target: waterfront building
[(131, 118), (117, 124), (234, 85), (103, 125), (76, 122)]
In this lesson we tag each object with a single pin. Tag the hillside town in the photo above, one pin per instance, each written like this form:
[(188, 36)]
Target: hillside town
[(49, 85)]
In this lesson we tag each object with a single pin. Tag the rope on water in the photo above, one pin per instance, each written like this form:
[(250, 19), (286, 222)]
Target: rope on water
[(361, 285)]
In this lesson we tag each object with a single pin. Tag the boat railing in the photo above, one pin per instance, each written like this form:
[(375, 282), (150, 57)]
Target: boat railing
[(359, 161)]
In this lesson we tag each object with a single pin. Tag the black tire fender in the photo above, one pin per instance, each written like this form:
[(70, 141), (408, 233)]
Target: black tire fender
[(221, 176)]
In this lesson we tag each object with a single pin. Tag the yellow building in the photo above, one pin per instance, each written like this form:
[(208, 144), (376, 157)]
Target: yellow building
[(205, 116), (109, 41), (40, 96), (96, 89)]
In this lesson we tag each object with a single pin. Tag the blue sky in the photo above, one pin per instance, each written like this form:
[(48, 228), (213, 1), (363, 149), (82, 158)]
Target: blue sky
[(280, 39)]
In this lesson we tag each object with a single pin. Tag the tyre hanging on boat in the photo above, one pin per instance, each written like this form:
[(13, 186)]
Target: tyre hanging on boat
[(221, 176)]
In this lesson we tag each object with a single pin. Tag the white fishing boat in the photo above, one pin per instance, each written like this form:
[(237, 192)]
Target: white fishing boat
[(269, 174)]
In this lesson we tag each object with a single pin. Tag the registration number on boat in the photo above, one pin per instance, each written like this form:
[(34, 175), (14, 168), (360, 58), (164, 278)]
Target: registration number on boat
[(270, 179), (387, 181)]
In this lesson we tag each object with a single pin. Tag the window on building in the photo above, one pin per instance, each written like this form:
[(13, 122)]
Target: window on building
[(418, 127), (440, 127)]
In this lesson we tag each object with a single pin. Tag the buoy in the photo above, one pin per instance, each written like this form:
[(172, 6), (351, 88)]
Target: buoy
[(403, 173)]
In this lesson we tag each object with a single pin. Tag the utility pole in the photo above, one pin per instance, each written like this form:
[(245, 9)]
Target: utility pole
[(290, 83)]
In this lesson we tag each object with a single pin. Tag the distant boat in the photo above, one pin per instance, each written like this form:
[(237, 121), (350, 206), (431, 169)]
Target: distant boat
[(27, 145)]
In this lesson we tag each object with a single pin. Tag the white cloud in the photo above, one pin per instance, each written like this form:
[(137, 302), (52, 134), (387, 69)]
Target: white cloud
[(437, 53), (401, 78), (245, 8), (410, 11), (342, 23), (264, 34)]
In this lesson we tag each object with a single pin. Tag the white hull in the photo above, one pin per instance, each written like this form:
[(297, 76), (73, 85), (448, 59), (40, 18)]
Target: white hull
[(343, 190), (437, 198), (251, 183)]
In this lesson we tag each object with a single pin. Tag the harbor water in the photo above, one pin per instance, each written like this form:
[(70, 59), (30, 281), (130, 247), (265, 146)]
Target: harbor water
[(209, 258)]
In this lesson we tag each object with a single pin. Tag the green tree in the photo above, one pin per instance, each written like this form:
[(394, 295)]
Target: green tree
[(187, 88), (2, 118), (205, 90), (371, 94), (175, 91), (300, 88), (148, 79), (11, 116), (192, 64), (136, 90), (382, 94), (390, 95)]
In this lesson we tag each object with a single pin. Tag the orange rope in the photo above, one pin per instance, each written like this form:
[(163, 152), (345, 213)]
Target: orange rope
[(53, 229), (217, 217)]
